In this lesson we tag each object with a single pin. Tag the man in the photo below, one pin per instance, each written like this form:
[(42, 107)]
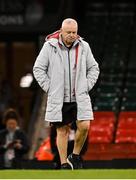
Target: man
[(66, 70)]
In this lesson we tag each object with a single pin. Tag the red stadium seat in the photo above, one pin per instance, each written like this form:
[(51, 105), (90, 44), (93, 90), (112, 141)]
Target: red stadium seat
[(127, 114), (125, 136), (129, 123), (100, 139), (108, 115), (102, 121), (126, 132), (101, 132), (102, 128)]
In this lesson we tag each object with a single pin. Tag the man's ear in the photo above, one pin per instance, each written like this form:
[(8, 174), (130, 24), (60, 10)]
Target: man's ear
[(60, 30)]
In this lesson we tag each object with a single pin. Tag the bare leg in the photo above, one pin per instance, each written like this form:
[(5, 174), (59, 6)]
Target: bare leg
[(81, 135), (62, 142)]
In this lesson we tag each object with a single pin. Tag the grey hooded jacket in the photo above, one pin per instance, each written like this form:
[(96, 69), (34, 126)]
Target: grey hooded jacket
[(49, 72)]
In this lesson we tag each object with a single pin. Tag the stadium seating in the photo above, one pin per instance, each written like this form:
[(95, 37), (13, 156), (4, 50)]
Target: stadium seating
[(126, 132), (102, 129), (112, 36)]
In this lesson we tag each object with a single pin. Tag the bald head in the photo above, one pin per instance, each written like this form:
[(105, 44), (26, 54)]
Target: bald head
[(69, 22), (69, 31)]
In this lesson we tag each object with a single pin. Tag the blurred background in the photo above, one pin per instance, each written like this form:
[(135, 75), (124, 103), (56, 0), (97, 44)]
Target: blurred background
[(110, 29)]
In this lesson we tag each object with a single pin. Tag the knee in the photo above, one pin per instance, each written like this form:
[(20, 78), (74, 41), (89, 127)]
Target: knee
[(63, 131), (83, 126)]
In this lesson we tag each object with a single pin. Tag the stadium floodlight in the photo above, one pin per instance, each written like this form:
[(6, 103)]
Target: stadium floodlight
[(26, 80)]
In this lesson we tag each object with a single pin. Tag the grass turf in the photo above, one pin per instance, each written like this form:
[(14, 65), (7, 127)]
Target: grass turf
[(67, 174)]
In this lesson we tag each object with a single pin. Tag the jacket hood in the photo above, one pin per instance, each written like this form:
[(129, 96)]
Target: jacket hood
[(56, 34)]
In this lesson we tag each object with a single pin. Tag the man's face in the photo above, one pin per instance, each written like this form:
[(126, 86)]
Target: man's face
[(69, 33), (11, 124)]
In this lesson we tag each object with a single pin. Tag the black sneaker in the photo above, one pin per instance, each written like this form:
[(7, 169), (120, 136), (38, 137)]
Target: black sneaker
[(75, 161), (66, 166)]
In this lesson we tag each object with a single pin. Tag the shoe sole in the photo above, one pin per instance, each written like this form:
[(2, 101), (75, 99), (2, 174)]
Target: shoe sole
[(70, 164)]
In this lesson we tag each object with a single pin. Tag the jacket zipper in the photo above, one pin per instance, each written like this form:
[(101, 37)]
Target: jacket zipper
[(69, 74)]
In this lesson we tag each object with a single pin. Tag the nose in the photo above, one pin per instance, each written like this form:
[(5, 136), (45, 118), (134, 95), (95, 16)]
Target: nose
[(71, 34)]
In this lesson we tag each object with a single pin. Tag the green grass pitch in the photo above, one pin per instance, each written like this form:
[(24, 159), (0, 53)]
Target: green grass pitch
[(68, 174)]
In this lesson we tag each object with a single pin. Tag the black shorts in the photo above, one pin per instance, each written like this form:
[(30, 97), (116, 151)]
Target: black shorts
[(69, 114)]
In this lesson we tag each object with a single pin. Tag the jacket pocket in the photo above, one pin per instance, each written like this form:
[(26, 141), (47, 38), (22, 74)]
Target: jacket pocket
[(53, 104), (46, 87)]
